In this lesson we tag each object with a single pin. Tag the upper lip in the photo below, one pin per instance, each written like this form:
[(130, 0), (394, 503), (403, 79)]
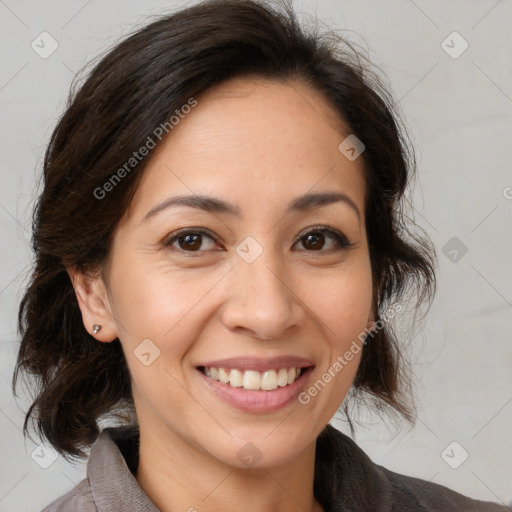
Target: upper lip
[(259, 364)]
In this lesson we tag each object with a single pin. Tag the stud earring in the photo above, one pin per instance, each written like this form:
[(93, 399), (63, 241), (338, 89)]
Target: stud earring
[(96, 328)]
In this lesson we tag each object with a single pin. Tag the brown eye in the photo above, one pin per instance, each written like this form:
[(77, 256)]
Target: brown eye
[(190, 241), (315, 240)]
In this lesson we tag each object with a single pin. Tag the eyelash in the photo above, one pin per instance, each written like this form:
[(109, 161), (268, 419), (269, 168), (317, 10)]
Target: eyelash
[(341, 240)]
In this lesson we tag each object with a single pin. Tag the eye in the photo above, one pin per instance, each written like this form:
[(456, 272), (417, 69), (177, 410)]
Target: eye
[(189, 240), (314, 239)]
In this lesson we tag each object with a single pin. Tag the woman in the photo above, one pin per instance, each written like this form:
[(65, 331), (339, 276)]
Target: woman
[(220, 249)]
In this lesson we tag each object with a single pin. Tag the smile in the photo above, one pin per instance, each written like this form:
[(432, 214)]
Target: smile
[(254, 380), (255, 391)]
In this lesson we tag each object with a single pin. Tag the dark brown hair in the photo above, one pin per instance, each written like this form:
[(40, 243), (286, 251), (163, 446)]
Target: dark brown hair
[(135, 88)]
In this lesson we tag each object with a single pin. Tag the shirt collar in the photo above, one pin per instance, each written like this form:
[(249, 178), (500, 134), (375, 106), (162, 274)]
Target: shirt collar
[(345, 477), (113, 485)]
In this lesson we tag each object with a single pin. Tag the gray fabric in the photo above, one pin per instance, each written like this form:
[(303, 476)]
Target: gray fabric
[(345, 480)]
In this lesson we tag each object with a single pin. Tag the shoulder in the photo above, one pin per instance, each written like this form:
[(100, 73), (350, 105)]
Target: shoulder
[(430, 496), (110, 483), (347, 479), (78, 499)]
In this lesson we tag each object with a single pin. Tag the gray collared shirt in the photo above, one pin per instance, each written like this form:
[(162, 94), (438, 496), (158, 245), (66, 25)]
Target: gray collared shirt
[(345, 480)]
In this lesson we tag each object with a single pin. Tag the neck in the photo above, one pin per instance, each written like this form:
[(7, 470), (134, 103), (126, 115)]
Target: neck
[(179, 476)]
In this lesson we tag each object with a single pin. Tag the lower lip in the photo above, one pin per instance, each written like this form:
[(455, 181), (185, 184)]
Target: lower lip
[(258, 401)]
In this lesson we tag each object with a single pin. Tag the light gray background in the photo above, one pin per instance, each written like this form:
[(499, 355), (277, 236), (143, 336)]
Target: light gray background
[(459, 112)]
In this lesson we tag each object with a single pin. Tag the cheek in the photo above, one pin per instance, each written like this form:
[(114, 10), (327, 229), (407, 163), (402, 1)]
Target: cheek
[(151, 302), (343, 303), (157, 318)]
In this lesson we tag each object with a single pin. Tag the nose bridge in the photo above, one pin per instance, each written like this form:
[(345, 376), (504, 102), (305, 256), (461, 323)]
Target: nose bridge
[(262, 300)]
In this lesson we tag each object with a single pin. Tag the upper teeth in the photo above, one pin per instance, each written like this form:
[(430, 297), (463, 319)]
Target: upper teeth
[(251, 379)]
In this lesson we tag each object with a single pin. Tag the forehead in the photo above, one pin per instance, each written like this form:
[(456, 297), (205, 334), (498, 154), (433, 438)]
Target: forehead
[(253, 138)]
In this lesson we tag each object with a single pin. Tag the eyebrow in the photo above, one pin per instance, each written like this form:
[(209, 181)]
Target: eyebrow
[(302, 203)]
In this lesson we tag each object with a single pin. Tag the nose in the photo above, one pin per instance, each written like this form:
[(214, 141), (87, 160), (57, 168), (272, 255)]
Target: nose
[(263, 300)]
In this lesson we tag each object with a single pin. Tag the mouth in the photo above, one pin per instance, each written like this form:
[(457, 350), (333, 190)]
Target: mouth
[(254, 386), (253, 379)]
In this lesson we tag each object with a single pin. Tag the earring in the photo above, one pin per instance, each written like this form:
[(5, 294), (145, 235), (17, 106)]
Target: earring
[(96, 328)]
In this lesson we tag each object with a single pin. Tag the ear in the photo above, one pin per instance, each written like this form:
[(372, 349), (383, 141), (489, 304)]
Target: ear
[(94, 304)]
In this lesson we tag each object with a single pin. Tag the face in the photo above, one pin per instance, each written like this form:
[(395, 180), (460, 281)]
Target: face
[(259, 287)]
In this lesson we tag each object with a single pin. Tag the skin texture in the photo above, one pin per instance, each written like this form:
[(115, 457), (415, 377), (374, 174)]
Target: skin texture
[(257, 144)]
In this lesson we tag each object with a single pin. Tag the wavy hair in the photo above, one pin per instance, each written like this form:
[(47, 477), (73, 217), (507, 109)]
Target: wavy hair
[(135, 87)]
